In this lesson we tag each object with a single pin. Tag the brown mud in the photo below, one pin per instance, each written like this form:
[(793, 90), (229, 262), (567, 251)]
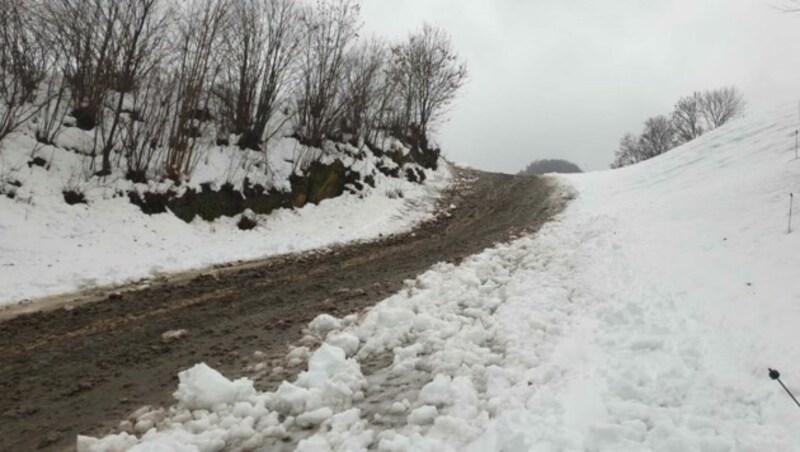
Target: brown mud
[(86, 361)]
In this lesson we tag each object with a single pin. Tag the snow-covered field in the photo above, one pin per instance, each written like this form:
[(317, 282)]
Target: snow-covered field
[(644, 318), (49, 247)]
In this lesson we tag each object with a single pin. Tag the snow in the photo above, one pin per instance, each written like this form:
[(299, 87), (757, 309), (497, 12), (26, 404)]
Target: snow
[(173, 335), (203, 388), (48, 247), (316, 417), (323, 324), (643, 318), (347, 342), (436, 392), (425, 414)]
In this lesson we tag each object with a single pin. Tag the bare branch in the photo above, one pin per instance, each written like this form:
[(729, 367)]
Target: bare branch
[(429, 75), (330, 29), (260, 50), (721, 105), (24, 64), (687, 118), (195, 68)]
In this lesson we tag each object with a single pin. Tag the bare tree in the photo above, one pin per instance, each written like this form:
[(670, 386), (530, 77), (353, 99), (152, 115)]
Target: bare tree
[(628, 152), (721, 105), (657, 137), (367, 90), (23, 66), (144, 128), (243, 52), (194, 70), (83, 32), (260, 49), (137, 42), (687, 118), (429, 75), (693, 115), (330, 29), (50, 119)]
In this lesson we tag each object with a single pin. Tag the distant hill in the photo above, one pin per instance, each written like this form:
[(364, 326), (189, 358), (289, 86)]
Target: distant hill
[(545, 166)]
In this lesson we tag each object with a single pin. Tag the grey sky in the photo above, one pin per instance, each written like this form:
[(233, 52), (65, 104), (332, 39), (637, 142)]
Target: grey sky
[(567, 78)]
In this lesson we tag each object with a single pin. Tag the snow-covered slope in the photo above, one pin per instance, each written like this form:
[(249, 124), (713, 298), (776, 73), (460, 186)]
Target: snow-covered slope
[(644, 318), (49, 247)]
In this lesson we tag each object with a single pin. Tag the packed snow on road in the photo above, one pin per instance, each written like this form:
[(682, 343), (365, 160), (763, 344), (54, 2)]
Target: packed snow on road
[(644, 317)]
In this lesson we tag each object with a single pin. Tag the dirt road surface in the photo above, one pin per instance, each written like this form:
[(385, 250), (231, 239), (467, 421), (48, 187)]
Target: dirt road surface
[(83, 367)]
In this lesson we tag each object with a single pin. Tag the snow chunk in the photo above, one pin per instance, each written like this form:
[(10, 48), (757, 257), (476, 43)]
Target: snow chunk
[(202, 387), (291, 399), (423, 415), (297, 356), (397, 408), (436, 392), (323, 324), (346, 341), (123, 441), (327, 363), (173, 335), (313, 418)]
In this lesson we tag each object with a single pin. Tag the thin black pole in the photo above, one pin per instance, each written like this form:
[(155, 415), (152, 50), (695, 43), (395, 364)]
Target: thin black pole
[(788, 392), (791, 205), (775, 375)]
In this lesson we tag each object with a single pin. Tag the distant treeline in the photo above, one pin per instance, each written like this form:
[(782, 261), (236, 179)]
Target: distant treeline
[(693, 116), (545, 166)]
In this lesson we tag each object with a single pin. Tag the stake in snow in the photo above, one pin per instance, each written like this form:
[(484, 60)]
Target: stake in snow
[(643, 318)]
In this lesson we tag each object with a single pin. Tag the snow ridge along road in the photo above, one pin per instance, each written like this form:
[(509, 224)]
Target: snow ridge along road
[(100, 361), (643, 318), (49, 248)]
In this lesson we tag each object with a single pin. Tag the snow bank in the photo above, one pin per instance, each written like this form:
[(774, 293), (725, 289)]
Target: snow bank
[(214, 413), (48, 247), (643, 318)]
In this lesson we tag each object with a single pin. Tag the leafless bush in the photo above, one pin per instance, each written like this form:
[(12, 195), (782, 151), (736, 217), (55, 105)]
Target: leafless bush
[(23, 66), (145, 125), (138, 37), (195, 67), (721, 105), (687, 118), (429, 75), (260, 47), (692, 116), (145, 76), (83, 33), (628, 152), (368, 90), (658, 137), (330, 29), (50, 119)]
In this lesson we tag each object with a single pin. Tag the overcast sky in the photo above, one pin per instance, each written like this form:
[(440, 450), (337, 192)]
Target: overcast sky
[(567, 78)]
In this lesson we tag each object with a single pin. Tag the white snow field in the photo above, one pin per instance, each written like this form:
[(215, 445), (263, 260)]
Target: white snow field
[(644, 318), (48, 247)]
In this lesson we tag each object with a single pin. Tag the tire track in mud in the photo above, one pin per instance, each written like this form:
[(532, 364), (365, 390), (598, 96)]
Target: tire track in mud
[(82, 367)]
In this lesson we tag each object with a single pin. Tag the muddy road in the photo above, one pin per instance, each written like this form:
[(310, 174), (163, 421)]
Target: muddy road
[(84, 367)]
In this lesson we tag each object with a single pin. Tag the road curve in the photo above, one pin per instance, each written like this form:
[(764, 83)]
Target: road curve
[(83, 368)]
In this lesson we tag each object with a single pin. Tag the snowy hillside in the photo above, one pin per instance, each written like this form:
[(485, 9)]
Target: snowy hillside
[(643, 318), (49, 247)]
